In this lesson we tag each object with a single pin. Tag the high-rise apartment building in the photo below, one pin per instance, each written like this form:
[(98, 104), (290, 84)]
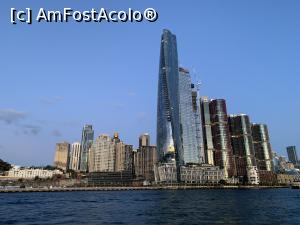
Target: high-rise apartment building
[(223, 156), (129, 159), (169, 144), (61, 159), (102, 155), (110, 161), (124, 157), (120, 156), (144, 159), (207, 132), (292, 154), (75, 156), (86, 142), (262, 147), (242, 145)]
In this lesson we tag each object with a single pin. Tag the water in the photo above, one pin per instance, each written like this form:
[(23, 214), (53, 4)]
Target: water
[(273, 206)]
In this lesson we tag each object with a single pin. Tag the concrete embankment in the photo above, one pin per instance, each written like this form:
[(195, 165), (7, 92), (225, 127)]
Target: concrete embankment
[(70, 189)]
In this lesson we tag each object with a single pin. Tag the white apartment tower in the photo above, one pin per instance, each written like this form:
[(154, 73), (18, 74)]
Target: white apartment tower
[(75, 156), (102, 155)]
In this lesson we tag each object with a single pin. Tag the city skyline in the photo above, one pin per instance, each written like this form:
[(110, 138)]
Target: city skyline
[(40, 99), (197, 140)]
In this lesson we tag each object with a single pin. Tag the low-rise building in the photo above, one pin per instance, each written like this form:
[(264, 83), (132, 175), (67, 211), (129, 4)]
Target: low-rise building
[(267, 177), (189, 174), (30, 173), (280, 163), (253, 175), (110, 178), (201, 174), (165, 173), (285, 179), (290, 166)]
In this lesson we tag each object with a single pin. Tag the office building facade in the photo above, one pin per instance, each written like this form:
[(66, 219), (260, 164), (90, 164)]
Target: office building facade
[(31, 173), (242, 145), (62, 154), (102, 155), (75, 156), (201, 174), (207, 131), (165, 173), (168, 127), (144, 160), (124, 157), (223, 156), (189, 114), (292, 154), (262, 147), (198, 120), (86, 142)]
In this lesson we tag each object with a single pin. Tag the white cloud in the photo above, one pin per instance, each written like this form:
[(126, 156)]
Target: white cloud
[(11, 116)]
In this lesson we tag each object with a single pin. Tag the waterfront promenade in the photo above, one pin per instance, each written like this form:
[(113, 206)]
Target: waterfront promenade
[(72, 189)]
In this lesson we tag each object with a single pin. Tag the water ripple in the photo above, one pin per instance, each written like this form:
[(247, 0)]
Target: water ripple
[(247, 207)]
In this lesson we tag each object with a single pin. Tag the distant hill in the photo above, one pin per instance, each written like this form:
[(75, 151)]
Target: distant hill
[(4, 166)]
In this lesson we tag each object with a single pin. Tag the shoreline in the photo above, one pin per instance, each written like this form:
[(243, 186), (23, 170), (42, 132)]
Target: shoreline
[(149, 188)]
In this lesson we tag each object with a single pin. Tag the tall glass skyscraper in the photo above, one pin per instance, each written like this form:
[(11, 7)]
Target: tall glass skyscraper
[(223, 156), (198, 119), (262, 147), (242, 144), (168, 127), (189, 114), (207, 132), (86, 142), (292, 154)]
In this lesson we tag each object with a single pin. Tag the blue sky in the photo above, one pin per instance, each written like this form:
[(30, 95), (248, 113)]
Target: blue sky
[(56, 77)]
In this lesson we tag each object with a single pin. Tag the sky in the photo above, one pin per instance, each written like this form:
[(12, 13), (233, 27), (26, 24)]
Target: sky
[(56, 77)]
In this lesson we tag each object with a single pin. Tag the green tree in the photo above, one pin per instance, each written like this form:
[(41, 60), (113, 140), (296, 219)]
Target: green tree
[(48, 167), (4, 166)]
